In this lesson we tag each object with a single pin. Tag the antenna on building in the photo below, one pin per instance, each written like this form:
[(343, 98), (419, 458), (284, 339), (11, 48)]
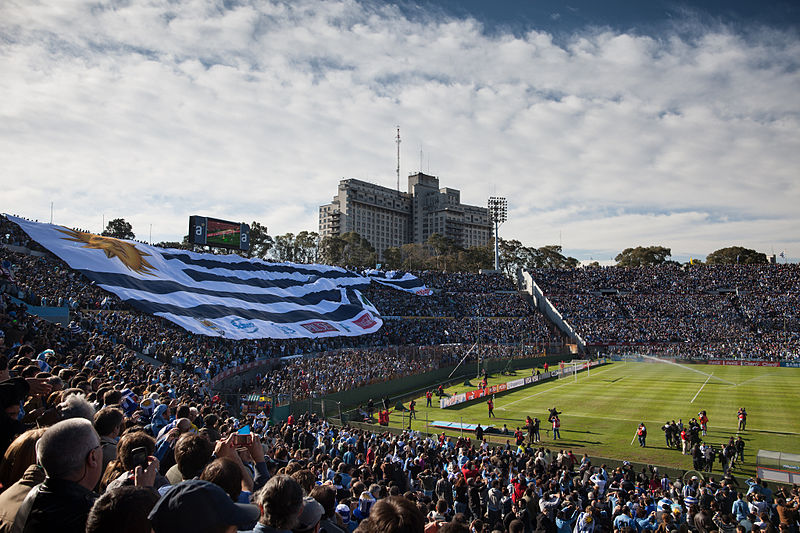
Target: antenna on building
[(420, 158), (397, 140)]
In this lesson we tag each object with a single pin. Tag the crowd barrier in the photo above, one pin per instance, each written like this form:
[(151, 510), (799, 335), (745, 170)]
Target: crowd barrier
[(564, 370)]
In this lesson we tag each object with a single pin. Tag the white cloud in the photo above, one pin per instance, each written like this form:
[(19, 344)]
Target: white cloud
[(157, 110)]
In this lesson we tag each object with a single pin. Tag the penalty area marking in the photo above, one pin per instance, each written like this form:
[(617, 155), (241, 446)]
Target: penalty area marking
[(548, 390), (751, 379), (701, 388)]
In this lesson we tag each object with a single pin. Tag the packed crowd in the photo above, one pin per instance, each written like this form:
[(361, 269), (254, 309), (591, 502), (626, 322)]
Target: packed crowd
[(193, 471), (93, 438), (672, 279), (456, 317), (741, 311), (392, 302), (465, 281), (350, 369)]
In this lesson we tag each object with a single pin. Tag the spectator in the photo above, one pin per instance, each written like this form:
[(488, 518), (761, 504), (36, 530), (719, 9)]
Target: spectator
[(281, 502), (122, 510), (19, 457), (326, 496), (108, 424), (197, 506), (393, 515), (70, 454), (310, 516), (192, 454)]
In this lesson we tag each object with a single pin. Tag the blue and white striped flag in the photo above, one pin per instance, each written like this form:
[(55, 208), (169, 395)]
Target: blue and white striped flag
[(399, 280), (217, 295)]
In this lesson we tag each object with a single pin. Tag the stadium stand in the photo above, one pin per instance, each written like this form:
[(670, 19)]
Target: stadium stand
[(694, 311), (57, 377)]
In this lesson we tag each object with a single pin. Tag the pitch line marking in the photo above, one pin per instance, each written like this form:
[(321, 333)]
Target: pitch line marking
[(548, 390), (701, 388), (751, 379)]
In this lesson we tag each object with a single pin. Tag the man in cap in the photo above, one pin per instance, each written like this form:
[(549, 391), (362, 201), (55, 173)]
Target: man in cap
[(197, 506), (310, 516)]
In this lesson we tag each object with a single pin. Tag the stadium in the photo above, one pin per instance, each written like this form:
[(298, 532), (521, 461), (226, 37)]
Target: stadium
[(451, 266), (658, 376)]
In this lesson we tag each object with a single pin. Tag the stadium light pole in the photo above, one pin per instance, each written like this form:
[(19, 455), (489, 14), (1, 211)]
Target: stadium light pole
[(498, 211)]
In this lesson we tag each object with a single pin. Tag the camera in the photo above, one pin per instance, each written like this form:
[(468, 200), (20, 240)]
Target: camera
[(139, 457), (241, 440)]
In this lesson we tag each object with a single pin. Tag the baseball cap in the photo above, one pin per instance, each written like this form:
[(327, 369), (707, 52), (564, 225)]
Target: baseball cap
[(310, 516), (196, 505)]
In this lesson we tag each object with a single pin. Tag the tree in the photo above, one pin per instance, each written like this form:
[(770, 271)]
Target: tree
[(347, 250), (260, 241), (284, 249), (357, 252), (119, 229), (415, 256), (307, 247), (736, 254), (641, 256), (550, 256), (442, 248), (513, 255), (475, 258), (392, 257)]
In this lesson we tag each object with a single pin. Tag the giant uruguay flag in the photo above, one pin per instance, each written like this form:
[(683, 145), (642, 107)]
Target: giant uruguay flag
[(217, 295)]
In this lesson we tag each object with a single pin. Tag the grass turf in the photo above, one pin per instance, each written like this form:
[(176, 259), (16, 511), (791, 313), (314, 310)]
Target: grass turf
[(602, 411)]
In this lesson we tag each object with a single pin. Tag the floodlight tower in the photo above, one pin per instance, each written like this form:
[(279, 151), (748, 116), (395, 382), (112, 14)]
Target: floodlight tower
[(498, 211)]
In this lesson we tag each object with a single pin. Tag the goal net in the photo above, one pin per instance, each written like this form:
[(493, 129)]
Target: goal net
[(571, 369)]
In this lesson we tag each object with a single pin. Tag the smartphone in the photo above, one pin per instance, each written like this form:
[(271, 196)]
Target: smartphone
[(139, 457)]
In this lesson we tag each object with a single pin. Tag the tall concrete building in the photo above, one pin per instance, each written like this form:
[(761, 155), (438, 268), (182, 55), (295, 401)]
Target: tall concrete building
[(387, 218)]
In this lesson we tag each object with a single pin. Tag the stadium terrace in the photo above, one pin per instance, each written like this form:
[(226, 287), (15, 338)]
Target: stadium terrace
[(114, 416)]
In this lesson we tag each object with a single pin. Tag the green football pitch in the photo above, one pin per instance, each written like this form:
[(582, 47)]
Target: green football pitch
[(601, 411)]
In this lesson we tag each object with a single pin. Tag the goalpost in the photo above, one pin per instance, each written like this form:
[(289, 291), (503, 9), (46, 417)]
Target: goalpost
[(572, 368)]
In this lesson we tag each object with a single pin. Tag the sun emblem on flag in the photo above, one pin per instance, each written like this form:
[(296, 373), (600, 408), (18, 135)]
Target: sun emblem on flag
[(127, 253)]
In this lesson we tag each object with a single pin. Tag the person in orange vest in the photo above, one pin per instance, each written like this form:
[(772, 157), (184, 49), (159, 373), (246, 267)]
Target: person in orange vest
[(545, 368), (490, 404), (290, 420), (428, 397), (641, 433)]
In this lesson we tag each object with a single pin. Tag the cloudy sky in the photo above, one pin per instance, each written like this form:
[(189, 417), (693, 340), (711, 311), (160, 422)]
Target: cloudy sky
[(606, 124)]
